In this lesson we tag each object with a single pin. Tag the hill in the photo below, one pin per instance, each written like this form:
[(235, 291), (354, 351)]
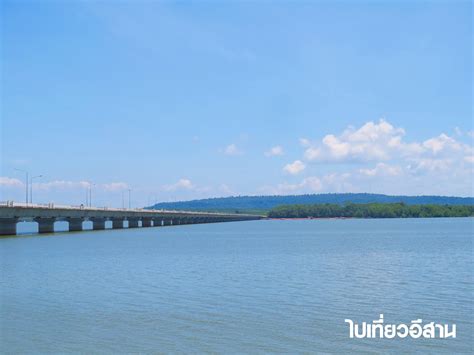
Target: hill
[(259, 204)]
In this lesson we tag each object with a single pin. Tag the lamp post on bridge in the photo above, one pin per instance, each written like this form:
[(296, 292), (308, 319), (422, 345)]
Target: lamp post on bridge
[(129, 199), (31, 187), (90, 193), (26, 182)]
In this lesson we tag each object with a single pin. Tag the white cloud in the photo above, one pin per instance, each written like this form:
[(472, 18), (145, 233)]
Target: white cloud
[(308, 184), (312, 153), (441, 143), (372, 141), (225, 189), (115, 186), (294, 168), (382, 169), (382, 142), (424, 165), (10, 182), (232, 149), (182, 184), (469, 159), (61, 185), (386, 162), (304, 142), (274, 151), (313, 184)]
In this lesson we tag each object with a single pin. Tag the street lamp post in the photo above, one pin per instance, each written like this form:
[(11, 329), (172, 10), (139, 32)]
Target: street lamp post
[(129, 199), (90, 193), (26, 182), (31, 187)]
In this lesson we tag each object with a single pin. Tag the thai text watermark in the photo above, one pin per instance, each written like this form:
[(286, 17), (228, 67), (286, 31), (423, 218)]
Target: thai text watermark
[(415, 329)]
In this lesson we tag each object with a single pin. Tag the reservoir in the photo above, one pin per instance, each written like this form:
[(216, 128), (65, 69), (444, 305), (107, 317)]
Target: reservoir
[(238, 287)]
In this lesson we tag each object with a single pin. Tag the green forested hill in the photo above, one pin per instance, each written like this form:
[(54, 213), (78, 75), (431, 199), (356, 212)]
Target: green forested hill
[(259, 204)]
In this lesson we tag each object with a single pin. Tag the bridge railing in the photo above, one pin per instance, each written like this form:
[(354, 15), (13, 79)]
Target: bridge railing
[(53, 205)]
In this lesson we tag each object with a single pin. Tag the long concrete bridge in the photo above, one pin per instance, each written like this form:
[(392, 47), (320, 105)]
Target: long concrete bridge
[(47, 215)]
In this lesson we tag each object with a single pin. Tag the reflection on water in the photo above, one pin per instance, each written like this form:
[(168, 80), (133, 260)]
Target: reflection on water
[(267, 286)]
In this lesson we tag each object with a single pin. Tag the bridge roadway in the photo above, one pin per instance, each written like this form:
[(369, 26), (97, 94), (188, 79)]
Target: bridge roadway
[(46, 215)]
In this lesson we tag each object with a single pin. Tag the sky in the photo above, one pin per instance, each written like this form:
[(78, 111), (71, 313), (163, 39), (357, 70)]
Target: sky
[(195, 99)]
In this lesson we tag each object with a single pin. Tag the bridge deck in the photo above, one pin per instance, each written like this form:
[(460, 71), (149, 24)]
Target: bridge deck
[(46, 215)]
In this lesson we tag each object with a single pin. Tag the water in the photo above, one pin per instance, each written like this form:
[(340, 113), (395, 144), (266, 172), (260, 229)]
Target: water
[(260, 286)]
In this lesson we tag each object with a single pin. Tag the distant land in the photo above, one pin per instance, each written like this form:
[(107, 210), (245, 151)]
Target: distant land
[(370, 210), (263, 204)]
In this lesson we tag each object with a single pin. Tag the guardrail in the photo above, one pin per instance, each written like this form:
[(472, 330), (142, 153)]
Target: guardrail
[(52, 205)]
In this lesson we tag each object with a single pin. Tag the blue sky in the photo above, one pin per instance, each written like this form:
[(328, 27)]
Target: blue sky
[(180, 100)]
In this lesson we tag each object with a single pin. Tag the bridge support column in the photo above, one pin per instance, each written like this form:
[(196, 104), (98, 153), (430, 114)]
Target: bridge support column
[(184, 220), (190, 220), (157, 222), (98, 223), (45, 225), (132, 222), (146, 222), (117, 223), (167, 222), (8, 226), (75, 224)]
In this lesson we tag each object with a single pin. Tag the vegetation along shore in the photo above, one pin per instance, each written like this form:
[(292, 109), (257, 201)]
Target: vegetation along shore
[(370, 210)]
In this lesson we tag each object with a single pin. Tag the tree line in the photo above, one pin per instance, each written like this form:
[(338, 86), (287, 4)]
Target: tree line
[(371, 210), (266, 203)]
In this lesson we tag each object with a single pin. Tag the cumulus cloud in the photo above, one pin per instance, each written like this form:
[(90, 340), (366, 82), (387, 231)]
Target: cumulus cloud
[(382, 142), (181, 184), (442, 143), (274, 151), (382, 169), (378, 151), (232, 149), (469, 159), (294, 168), (10, 182), (372, 141), (115, 186), (61, 185), (225, 189), (334, 182), (304, 142), (308, 184)]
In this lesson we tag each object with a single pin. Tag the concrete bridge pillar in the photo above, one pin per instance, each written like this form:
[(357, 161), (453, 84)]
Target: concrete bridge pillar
[(133, 222), (167, 222), (185, 220), (75, 224), (98, 223), (146, 222), (117, 223), (45, 225), (8, 226), (157, 222)]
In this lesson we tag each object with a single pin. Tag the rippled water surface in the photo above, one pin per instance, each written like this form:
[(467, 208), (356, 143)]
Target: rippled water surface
[(260, 286)]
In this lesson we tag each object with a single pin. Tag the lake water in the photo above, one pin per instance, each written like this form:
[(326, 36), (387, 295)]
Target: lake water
[(259, 286)]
